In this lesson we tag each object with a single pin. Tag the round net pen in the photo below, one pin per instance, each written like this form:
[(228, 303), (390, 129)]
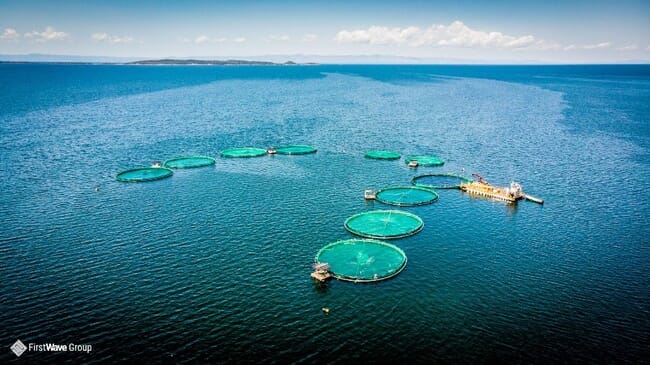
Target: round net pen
[(439, 181), (295, 149), (427, 161), (361, 260), (406, 196), (189, 162), (243, 152), (384, 224), (143, 174)]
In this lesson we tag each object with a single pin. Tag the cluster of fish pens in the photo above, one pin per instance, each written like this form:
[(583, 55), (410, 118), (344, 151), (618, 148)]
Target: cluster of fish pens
[(369, 258), (160, 170)]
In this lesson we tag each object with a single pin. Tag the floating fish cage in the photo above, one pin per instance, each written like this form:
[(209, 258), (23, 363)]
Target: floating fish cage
[(295, 149), (189, 162), (383, 155), (243, 152), (427, 161), (143, 174), (385, 224), (362, 260), (440, 181), (406, 196)]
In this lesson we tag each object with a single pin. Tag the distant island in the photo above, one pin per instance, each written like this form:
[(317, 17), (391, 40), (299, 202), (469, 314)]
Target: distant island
[(169, 61)]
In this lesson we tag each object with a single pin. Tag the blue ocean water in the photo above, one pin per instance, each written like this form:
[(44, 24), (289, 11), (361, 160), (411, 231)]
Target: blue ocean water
[(212, 264)]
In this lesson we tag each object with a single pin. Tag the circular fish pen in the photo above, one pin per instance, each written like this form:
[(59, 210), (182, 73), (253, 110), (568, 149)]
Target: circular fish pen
[(243, 152), (386, 224), (383, 155), (406, 196), (295, 149), (362, 260), (439, 181), (142, 174), (425, 160), (189, 162)]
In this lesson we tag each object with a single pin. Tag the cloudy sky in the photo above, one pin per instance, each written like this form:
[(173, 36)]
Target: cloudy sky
[(506, 31)]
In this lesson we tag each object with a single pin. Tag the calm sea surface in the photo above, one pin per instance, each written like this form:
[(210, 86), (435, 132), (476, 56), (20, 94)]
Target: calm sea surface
[(212, 264)]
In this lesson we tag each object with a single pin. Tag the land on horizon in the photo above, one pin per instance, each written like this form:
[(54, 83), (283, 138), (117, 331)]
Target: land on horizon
[(298, 59)]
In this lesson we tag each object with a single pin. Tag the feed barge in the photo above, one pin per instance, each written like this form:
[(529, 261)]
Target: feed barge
[(509, 194)]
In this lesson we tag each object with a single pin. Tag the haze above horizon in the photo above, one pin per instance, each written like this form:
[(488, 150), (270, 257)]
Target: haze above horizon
[(599, 31)]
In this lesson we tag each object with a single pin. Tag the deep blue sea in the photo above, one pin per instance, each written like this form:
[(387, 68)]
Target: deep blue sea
[(212, 264)]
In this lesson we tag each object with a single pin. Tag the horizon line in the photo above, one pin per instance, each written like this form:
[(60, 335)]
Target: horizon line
[(94, 59)]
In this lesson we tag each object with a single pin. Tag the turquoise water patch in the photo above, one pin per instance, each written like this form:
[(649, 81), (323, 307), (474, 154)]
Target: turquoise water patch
[(223, 255)]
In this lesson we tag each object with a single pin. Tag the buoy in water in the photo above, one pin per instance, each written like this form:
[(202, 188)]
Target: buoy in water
[(326, 310)]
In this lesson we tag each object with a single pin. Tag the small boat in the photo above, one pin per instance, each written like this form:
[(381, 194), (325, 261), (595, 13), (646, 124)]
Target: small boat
[(413, 163), (369, 194), (321, 271), (156, 164), (271, 151)]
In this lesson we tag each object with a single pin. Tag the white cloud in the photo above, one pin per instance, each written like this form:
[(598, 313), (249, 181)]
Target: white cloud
[(378, 35), (239, 40), (9, 33), (201, 39), (204, 39), (601, 45), (598, 45), (629, 47), (105, 37), (309, 37), (545, 45), (283, 38), (49, 34), (455, 34)]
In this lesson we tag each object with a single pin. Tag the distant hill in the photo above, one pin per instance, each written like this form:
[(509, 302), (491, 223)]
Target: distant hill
[(170, 61), (47, 58), (277, 59)]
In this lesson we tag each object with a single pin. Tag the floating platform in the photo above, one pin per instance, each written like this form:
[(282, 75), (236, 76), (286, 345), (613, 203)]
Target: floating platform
[(321, 271), (506, 194), (383, 155), (385, 224), (189, 162), (361, 260), (143, 174), (533, 199)]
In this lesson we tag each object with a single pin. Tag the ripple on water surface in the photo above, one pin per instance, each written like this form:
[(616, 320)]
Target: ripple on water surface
[(222, 255)]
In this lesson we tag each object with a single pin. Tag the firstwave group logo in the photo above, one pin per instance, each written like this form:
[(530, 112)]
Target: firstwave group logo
[(18, 348)]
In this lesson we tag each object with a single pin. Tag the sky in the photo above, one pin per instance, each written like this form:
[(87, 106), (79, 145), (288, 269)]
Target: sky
[(547, 31)]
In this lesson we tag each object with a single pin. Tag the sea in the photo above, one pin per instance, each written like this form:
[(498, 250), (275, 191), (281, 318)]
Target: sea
[(212, 265)]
